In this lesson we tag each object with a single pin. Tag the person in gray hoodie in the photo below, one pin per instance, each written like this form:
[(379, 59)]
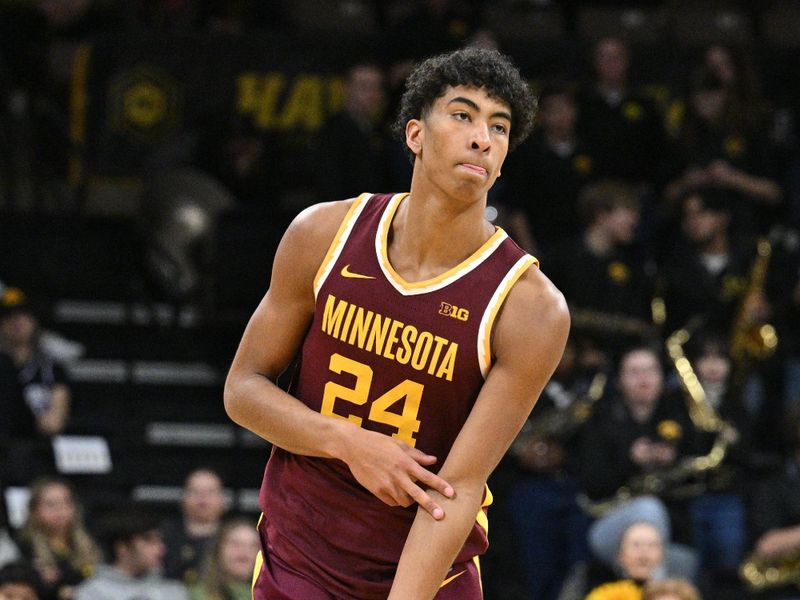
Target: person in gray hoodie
[(135, 543)]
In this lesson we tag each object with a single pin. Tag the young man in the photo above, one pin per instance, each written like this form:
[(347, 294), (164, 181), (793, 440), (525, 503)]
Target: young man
[(137, 551), (425, 335)]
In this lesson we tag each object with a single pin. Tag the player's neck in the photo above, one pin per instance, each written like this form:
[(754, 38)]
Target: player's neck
[(432, 233)]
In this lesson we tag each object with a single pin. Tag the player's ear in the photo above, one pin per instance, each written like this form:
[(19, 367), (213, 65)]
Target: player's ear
[(415, 133)]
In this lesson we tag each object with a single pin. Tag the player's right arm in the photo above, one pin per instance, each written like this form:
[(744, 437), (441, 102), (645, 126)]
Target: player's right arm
[(388, 468)]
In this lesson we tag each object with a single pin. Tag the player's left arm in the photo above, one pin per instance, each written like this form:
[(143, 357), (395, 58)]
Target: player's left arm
[(528, 340)]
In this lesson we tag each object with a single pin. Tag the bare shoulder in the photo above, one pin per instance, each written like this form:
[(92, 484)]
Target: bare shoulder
[(534, 316), (309, 235)]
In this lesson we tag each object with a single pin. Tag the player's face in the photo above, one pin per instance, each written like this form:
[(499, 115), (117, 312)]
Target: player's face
[(462, 141)]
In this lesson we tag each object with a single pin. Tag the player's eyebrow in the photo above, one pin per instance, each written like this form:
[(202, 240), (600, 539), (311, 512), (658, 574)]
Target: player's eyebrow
[(502, 114)]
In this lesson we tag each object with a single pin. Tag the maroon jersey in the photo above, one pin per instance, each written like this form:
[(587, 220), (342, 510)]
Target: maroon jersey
[(404, 359)]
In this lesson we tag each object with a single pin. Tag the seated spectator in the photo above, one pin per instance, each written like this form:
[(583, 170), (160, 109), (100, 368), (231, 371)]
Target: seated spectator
[(189, 537), (136, 549), (55, 541), (549, 525), (635, 442), (603, 276), (227, 572), (623, 127), (44, 383), (543, 177), (18, 581), (670, 589), (649, 554), (717, 147), (352, 144)]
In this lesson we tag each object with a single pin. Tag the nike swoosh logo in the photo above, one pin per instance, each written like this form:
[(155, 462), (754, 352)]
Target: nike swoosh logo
[(449, 579), (346, 272)]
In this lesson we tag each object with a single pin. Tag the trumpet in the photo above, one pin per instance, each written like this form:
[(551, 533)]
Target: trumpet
[(760, 574)]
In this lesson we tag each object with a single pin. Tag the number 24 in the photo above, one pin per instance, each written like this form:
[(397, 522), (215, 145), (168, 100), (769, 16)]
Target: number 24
[(405, 422)]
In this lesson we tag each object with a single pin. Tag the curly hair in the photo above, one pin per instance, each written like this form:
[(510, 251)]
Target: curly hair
[(474, 67)]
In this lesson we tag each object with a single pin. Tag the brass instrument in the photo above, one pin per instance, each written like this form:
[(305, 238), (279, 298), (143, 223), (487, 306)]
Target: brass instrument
[(687, 478), (760, 574), (560, 424), (701, 412), (751, 338), (682, 480)]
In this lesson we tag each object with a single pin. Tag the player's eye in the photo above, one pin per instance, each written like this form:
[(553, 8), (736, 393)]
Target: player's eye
[(461, 115), (500, 128)]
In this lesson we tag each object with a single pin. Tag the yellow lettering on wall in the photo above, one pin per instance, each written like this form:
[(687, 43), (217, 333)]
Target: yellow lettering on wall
[(304, 104), (258, 95)]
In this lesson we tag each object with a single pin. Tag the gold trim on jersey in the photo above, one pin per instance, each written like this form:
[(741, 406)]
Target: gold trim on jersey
[(481, 518), (436, 283), (337, 245), (493, 308), (259, 560)]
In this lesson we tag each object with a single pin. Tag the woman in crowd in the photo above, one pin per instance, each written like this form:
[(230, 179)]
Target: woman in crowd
[(228, 568), (55, 541)]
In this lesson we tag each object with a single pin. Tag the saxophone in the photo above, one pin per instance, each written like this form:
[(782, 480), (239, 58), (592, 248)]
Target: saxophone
[(560, 424), (686, 478), (750, 338), (760, 574)]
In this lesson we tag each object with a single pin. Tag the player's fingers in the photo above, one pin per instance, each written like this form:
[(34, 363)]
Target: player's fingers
[(420, 456), (432, 480), (425, 501)]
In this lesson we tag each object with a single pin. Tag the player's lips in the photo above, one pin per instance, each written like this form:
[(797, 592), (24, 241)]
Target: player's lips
[(477, 169)]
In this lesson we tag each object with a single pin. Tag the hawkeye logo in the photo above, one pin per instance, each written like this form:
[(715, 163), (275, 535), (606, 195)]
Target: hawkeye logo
[(448, 310)]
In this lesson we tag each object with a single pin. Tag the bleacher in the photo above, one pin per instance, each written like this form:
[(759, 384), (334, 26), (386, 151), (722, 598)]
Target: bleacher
[(150, 379)]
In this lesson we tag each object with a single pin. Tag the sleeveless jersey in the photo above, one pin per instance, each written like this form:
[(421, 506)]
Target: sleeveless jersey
[(404, 359)]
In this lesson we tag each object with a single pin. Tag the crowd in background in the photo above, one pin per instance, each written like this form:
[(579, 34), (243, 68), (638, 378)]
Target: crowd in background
[(663, 456)]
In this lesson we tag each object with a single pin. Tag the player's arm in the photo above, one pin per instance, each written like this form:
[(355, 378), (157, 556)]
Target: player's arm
[(386, 467), (529, 338)]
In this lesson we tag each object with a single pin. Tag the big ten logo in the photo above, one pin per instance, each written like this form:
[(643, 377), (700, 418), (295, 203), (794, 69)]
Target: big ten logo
[(447, 309), (279, 102), (145, 102)]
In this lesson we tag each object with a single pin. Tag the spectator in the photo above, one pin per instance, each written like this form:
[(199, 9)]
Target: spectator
[(352, 149), (714, 149), (641, 431), (137, 550), (623, 127), (19, 582), (550, 527), (543, 178), (44, 383), (604, 279), (228, 568), (55, 541), (706, 272), (718, 520), (189, 537), (670, 589)]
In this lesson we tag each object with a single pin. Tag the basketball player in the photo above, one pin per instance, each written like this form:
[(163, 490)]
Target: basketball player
[(425, 337)]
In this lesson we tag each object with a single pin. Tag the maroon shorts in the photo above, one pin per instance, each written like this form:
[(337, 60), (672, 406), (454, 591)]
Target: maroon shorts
[(274, 580)]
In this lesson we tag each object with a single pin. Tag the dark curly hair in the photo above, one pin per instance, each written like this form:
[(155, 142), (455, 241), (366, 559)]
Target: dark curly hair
[(474, 67)]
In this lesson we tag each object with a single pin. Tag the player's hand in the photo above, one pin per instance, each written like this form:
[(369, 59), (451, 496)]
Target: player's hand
[(394, 471)]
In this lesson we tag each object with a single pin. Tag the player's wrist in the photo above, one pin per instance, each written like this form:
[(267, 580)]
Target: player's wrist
[(337, 440)]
